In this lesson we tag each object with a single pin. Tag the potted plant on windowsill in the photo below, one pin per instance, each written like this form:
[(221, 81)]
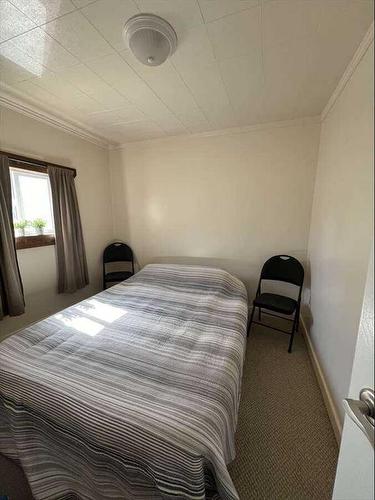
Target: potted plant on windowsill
[(39, 225), (21, 225)]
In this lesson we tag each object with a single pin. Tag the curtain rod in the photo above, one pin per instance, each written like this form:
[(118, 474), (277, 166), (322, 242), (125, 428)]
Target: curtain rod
[(33, 161)]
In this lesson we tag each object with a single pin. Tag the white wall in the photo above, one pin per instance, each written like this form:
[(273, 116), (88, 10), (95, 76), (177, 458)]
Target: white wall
[(24, 135), (341, 228), (231, 200), (355, 468)]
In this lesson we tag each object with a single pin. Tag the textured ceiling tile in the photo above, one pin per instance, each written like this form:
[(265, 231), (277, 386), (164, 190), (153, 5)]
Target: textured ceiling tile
[(35, 91), (109, 17), (300, 76), (153, 107), (346, 20), (78, 36), (67, 93), (243, 78), (44, 99), (88, 82), (168, 122), (82, 3), (123, 114), (115, 71), (170, 88), (42, 11), (12, 21), (281, 103), (136, 131), (216, 9), (236, 35), (209, 92), (194, 51), (290, 20), (286, 72), (43, 49), (198, 128), (129, 114), (16, 66), (181, 14), (223, 73)]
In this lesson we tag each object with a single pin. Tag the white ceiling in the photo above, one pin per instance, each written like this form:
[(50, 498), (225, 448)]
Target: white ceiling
[(238, 62)]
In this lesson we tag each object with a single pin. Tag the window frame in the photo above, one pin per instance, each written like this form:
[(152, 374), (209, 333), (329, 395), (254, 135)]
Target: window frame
[(31, 240)]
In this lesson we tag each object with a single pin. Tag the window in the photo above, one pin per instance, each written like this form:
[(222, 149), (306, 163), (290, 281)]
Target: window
[(32, 208)]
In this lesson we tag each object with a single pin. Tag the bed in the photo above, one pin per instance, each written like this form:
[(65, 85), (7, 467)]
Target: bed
[(132, 393)]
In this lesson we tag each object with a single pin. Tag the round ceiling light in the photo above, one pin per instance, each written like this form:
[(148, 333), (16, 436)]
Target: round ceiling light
[(151, 39)]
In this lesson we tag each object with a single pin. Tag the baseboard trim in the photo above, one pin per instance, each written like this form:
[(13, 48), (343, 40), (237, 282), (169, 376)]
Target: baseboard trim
[(326, 393)]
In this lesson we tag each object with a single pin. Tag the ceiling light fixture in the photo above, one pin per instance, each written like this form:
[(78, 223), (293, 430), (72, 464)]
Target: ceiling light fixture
[(151, 39)]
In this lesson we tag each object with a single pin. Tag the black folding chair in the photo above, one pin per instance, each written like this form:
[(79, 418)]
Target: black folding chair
[(279, 268), (117, 252)]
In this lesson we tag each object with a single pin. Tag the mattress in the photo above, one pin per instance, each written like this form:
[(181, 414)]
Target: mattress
[(132, 393)]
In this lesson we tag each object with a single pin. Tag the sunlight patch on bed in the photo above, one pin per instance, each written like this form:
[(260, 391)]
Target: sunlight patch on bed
[(81, 324), (104, 312)]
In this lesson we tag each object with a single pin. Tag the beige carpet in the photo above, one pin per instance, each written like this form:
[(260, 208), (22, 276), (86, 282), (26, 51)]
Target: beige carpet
[(286, 448), (285, 444)]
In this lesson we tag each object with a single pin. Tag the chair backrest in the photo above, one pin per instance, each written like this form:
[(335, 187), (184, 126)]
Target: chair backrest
[(283, 268), (117, 252)]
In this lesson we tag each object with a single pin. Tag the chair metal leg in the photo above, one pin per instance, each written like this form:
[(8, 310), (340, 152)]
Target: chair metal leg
[(292, 334), (251, 320)]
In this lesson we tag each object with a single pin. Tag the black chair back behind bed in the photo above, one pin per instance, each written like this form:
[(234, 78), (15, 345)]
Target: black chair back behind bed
[(283, 268), (289, 270), (116, 253)]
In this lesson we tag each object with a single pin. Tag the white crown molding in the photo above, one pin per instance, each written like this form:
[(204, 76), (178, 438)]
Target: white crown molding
[(16, 102), (226, 132), (356, 59)]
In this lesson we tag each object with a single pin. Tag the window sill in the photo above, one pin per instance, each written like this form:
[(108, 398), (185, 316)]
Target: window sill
[(39, 240)]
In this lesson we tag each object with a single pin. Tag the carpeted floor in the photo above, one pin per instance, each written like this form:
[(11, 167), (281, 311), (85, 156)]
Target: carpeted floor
[(285, 444), (286, 448)]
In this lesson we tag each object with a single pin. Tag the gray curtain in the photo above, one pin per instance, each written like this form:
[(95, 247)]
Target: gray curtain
[(70, 247), (11, 292)]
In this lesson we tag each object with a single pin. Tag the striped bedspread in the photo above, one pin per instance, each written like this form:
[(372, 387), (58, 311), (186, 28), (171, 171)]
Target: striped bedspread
[(132, 393)]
